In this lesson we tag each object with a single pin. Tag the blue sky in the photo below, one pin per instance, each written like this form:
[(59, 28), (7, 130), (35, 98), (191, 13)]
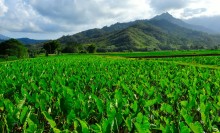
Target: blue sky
[(50, 19)]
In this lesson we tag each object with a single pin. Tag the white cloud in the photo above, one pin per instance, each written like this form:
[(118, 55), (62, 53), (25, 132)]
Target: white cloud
[(164, 5), (3, 8), (82, 12), (198, 8), (70, 16), (188, 12)]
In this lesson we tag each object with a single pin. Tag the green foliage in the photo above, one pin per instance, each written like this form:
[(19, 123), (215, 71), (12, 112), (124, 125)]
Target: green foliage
[(70, 49), (13, 47), (52, 47), (90, 93), (144, 35), (91, 48)]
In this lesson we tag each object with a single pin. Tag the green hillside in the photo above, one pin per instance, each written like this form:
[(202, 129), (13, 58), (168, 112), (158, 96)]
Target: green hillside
[(143, 35)]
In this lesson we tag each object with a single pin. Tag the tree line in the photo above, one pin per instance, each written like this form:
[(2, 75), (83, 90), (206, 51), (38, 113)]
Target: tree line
[(13, 47)]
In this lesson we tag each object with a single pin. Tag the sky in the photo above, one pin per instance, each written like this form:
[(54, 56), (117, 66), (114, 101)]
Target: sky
[(51, 19)]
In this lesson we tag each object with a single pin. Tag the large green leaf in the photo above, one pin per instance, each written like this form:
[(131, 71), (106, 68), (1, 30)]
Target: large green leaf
[(99, 104), (84, 127), (184, 128), (23, 115), (196, 127), (167, 108), (49, 119)]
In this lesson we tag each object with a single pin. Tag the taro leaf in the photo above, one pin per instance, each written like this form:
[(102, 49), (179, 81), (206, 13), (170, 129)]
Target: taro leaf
[(119, 118), (23, 115), (42, 104), (145, 123), (1, 105), (134, 106), (139, 127), (21, 103), (49, 119), (34, 87), (196, 127), (71, 117), (128, 122), (24, 92), (106, 126), (186, 117), (118, 98), (139, 118), (111, 111), (55, 130), (184, 128), (13, 113), (150, 91), (51, 122), (96, 128), (149, 103), (142, 124), (32, 127), (167, 108), (98, 103), (66, 104), (184, 103), (84, 127), (167, 129)]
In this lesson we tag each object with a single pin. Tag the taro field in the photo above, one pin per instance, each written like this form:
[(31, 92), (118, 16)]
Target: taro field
[(94, 93)]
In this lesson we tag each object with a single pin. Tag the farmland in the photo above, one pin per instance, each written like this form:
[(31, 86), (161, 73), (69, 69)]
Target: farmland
[(99, 93), (165, 53)]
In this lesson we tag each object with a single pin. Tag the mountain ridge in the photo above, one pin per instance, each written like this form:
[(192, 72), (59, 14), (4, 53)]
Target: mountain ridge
[(170, 18), (25, 40), (2, 37), (153, 34), (28, 41)]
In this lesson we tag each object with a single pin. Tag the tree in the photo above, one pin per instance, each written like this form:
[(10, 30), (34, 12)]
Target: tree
[(52, 47), (70, 49), (91, 48), (13, 47)]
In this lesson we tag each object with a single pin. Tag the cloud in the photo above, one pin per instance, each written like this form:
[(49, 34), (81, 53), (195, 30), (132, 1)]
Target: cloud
[(164, 5), (211, 22), (70, 16), (192, 12), (84, 11), (37, 16), (21, 17), (3, 8)]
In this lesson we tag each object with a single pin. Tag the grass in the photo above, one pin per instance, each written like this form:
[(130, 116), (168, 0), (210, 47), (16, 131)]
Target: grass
[(10, 58), (162, 53)]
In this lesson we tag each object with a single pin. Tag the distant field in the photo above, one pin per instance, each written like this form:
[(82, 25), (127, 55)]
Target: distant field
[(210, 60), (10, 58), (164, 53)]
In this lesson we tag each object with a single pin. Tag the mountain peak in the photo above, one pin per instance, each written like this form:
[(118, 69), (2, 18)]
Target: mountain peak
[(166, 16)]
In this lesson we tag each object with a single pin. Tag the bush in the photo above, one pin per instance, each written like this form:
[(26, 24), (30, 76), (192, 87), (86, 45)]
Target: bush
[(91, 48), (13, 47)]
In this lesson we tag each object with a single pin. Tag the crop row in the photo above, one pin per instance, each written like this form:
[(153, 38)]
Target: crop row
[(94, 94), (211, 60)]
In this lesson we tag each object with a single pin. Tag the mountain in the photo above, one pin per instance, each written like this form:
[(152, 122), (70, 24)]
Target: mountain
[(170, 18), (2, 37), (212, 22), (143, 35), (28, 41)]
